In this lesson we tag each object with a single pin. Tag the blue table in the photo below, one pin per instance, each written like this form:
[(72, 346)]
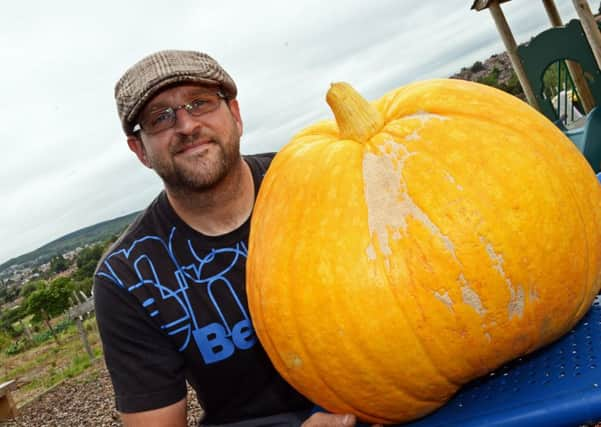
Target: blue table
[(556, 386), (559, 385)]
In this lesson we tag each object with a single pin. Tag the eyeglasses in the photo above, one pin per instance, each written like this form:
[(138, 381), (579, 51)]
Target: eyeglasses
[(160, 120)]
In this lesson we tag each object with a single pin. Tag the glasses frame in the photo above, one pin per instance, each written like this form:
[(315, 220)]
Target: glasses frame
[(188, 107)]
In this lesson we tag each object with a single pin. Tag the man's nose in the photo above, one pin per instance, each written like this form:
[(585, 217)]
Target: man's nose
[(186, 122)]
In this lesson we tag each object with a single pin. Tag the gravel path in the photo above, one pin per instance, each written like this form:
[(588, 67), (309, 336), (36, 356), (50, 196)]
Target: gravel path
[(86, 401), (83, 401)]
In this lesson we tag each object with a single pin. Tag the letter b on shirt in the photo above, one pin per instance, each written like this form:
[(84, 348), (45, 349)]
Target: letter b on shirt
[(215, 344)]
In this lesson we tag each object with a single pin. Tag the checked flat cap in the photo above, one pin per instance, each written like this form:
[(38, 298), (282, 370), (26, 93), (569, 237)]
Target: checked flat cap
[(160, 70)]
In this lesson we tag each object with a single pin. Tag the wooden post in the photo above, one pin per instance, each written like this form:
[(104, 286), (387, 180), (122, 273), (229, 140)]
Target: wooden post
[(77, 313), (27, 331), (552, 13), (512, 51), (8, 409), (84, 337), (590, 27), (582, 87)]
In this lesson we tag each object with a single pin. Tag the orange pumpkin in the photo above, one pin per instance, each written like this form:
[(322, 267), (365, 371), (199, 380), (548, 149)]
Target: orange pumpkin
[(418, 242)]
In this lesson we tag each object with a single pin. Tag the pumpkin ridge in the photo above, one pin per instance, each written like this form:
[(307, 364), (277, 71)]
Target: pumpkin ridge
[(436, 231), (383, 236), (419, 340), (308, 358), (517, 292), (581, 309), (446, 88), (366, 355), (587, 239), (576, 202)]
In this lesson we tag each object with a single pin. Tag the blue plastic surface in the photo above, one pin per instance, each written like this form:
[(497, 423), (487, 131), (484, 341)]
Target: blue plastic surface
[(588, 138), (559, 385)]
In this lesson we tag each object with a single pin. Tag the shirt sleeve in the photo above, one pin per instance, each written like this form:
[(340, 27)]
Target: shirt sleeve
[(146, 369)]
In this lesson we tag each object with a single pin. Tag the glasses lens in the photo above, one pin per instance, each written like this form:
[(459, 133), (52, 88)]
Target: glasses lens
[(203, 104), (157, 121)]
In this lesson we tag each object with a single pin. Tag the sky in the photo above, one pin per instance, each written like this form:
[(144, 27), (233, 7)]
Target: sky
[(65, 164)]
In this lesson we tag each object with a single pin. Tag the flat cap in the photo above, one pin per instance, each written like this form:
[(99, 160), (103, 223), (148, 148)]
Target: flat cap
[(160, 70)]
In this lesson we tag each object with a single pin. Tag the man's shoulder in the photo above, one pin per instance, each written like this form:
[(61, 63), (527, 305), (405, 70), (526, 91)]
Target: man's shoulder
[(141, 226), (263, 159)]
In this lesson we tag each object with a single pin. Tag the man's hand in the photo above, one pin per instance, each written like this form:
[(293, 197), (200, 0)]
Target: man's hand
[(169, 416), (322, 419)]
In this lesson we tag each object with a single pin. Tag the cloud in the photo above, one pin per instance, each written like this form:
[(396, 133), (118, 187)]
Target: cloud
[(65, 164)]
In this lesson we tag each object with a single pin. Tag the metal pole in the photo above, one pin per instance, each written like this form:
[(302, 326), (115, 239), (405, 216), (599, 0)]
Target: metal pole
[(582, 87), (512, 51)]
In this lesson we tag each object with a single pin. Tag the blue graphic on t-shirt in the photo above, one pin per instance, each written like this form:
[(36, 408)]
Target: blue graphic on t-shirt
[(159, 266)]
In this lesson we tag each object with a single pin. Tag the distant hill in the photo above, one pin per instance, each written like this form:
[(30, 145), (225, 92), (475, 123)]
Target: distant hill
[(496, 71), (88, 235)]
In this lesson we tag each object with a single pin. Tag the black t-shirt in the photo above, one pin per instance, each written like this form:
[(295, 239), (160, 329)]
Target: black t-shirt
[(171, 306)]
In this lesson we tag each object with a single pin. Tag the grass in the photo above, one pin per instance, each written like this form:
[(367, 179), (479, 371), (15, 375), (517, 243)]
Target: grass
[(45, 365)]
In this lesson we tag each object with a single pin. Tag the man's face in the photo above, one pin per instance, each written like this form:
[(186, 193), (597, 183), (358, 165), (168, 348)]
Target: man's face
[(197, 152)]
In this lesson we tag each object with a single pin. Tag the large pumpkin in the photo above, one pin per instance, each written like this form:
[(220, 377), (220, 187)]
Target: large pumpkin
[(418, 242)]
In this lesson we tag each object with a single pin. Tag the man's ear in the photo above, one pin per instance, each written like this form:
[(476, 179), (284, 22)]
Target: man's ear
[(235, 110), (136, 145)]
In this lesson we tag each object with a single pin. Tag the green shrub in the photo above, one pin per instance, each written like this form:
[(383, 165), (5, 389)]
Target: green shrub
[(5, 340), (491, 79), (17, 347), (477, 66)]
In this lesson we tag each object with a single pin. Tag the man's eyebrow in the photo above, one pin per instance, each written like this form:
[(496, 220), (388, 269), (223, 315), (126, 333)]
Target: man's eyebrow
[(158, 106)]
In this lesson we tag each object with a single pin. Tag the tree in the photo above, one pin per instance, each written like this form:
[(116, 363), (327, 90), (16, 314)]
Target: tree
[(84, 285), (58, 264), (49, 301), (87, 260), (9, 294), (31, 286), (11, 316)]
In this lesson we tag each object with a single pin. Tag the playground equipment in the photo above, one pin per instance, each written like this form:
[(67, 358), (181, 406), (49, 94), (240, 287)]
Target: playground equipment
[(559, 385), (573, 53)]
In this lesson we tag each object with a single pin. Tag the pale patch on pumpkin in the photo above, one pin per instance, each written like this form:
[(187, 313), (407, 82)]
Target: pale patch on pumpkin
[(413, 136), (371, 252), (445, 299), (533, 294), (388, 202), (517, 301), (452, 181), (470, 297), (295, 362), (424, 117), (516, 305)]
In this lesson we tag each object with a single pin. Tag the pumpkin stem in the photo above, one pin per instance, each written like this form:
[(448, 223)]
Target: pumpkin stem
[(357, 119)]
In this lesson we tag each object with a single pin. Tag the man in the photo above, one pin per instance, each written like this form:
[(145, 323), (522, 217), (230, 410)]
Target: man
[(170, 293)]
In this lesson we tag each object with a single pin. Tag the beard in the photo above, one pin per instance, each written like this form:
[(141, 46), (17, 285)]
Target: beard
[(201, 171)]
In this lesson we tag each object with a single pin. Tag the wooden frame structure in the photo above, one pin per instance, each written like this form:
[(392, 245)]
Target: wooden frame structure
[(589, 25), (8, 409)]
